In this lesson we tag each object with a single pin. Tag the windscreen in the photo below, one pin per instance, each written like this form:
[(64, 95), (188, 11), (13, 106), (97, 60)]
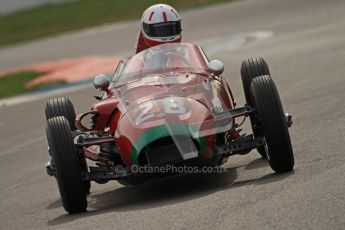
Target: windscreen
[(163, 58)]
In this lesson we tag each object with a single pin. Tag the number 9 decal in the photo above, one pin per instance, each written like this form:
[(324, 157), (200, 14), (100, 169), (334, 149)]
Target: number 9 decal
[(172, 105)]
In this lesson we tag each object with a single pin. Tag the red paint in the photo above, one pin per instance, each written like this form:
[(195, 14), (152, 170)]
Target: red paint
[(105, 109), (165, 16), (151, 15), (113, 122)]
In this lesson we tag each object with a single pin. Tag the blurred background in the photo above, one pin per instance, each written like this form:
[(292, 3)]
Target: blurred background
[(30, 19), (10, 6), (21, 71)]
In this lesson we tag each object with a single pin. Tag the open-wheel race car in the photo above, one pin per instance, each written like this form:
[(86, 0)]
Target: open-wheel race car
[(165, 106)]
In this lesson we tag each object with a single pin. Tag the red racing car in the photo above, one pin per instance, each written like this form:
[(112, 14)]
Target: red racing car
[(165, 106)]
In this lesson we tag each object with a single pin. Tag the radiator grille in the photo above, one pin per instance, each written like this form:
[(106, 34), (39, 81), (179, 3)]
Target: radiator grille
[(164, 151)]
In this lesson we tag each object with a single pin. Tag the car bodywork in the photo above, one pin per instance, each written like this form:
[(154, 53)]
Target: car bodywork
[(166, 103)]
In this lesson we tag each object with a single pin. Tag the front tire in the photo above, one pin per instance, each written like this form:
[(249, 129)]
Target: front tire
[(63, 106), (271, 117), (66, 159), (250, 69)]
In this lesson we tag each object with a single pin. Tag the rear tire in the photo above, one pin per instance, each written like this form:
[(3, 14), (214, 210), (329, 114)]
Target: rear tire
[(66, 159), (250, 69), (271, 117)]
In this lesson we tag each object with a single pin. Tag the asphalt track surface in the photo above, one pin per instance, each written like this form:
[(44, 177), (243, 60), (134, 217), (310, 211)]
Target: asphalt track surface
[(306, 52)]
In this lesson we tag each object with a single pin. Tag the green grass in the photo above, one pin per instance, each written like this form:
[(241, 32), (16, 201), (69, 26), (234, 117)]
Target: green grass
[(74, 15), (14, 84)]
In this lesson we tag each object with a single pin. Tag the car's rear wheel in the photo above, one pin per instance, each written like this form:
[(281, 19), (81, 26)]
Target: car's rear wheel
[(63, 106), (250, 69), (272, 122), (67, 165)]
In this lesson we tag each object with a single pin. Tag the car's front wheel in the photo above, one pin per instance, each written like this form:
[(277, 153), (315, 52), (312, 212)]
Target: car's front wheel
[(67, 165), (250, 69), (63, 106), (272, 121)]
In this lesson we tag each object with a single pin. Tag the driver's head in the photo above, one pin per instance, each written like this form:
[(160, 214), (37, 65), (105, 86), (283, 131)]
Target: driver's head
[(161, 24)]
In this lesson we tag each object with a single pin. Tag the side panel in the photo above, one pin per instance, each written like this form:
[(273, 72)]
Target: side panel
[(106, 109)]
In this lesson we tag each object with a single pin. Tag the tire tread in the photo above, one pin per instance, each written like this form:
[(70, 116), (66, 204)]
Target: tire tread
[(271, 114), (67, 165), (61, 107)]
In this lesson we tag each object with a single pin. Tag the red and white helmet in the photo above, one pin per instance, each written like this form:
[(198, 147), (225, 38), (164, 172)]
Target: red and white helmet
[(161, 24)]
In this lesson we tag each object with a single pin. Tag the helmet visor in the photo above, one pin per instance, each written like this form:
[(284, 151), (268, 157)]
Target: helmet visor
[(163, 29)]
